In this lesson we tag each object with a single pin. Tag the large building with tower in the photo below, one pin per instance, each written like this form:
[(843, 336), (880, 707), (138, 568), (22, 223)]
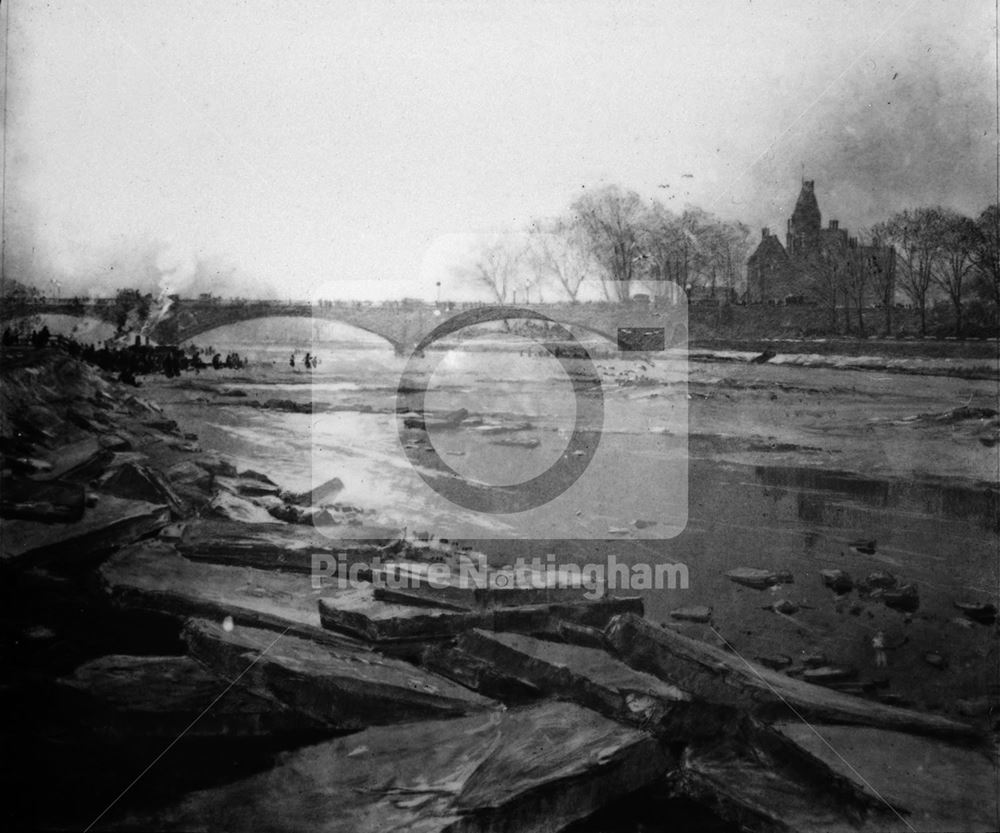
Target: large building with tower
[(816, 264)]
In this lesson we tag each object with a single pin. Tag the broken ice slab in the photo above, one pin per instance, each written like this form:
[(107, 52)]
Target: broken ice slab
[(127, 697), (985, 613), (493, 429), (318, 495), (532, 769), (424, 422), (753, 577), (74, 455), (829, 675), (935, 785), (359, 612), (472, 584), (246, 486), (767, 793), (780, 778), (48, 501), (714, 675), (530, 442), (551, 619), (269, 546), (341, 687), (587, 676), (87, 468), (135, 480), (449, 661), (232, 507), (701, 614), (112, 523), (152, 575)]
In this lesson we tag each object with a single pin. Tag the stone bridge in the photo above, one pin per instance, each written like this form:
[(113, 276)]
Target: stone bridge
[(402, 324)]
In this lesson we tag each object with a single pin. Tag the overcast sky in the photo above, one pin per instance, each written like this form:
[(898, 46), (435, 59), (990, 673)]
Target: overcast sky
[(297, 148)]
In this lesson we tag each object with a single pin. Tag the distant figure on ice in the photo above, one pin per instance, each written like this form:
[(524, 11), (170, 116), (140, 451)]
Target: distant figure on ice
[(308, 361), (878, 643), (291, 361)]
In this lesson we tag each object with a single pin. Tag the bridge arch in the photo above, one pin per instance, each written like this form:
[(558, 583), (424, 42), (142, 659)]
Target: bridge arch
[(184, 332), (194, 320), (85, 325)]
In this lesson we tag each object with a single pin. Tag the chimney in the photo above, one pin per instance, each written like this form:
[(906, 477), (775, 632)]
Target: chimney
[(765, 232), (834, 225)]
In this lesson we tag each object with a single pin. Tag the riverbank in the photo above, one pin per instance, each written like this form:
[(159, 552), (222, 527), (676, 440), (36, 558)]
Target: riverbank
[(195, 534)]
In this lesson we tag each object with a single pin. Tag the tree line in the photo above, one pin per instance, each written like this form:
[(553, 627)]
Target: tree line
[(611, 238), (944, 255), (928, 257)]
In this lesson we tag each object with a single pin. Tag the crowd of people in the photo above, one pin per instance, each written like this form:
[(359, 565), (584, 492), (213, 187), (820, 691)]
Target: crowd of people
[(309, 361), (139, 359), (129, 361), (36, 338)]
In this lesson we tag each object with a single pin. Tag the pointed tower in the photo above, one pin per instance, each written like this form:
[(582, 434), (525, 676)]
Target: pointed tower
[(805, 223)]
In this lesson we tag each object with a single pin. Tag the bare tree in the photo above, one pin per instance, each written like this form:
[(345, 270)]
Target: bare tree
[(826, 279), (915, 234), (986, 255), (663, 246), (727, 248), (697, 250), (737, 252), (558, 252), (694, 249), (679, 248), (495, 263), (856, 283), (882, 277), (952, 268), (611, 219)]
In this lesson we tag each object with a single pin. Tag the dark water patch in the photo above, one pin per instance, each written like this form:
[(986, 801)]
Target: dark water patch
[(820, 491), (802, 520)]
